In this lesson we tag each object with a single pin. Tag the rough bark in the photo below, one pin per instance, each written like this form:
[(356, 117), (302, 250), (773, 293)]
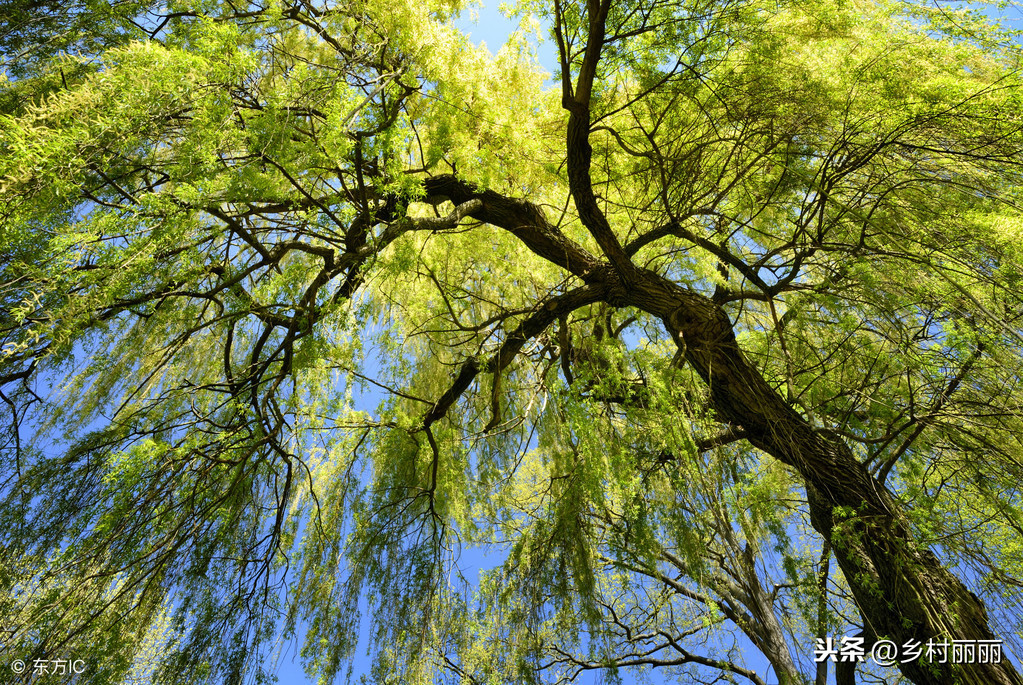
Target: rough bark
[(903, 591)]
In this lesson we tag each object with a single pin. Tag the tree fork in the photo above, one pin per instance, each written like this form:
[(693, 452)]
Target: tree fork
[(903, 591)]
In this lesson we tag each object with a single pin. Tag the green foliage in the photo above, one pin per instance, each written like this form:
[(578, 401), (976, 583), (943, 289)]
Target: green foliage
[(269, 374)]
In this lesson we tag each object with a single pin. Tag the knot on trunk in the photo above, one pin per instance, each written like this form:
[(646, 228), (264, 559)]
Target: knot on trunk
[(702, 322), (615, 287)]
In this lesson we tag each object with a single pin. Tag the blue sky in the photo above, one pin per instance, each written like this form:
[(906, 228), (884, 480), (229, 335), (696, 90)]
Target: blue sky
[(492, 28)]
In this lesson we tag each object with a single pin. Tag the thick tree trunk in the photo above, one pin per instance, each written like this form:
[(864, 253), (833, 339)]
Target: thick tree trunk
[(903, 592)]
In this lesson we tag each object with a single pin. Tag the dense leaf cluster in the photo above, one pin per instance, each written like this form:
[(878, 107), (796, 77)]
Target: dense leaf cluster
[(708, 350)]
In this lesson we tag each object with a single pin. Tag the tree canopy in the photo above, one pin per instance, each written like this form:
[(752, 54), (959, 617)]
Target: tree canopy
[(711, 341)]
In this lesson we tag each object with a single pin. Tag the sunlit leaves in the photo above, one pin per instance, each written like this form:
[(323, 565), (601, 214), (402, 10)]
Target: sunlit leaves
[(219, 252)]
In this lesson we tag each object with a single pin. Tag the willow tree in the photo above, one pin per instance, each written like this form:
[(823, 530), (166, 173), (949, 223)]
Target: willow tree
[(711, 343)]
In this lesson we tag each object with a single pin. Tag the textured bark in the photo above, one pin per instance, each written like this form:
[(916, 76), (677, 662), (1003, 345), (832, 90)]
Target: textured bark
[(903, 591)]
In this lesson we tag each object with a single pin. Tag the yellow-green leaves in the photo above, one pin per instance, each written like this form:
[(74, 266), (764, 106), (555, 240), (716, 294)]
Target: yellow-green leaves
[(269, 374)]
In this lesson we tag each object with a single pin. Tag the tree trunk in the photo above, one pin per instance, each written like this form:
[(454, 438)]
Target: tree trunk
[(903, 591)]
